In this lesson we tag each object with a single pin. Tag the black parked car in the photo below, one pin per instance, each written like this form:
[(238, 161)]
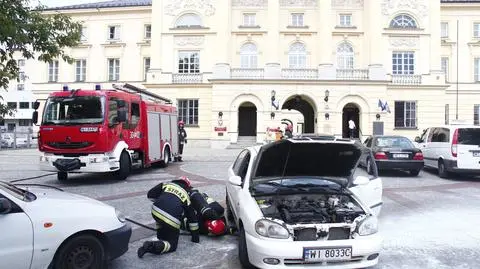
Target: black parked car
[(392, 152)]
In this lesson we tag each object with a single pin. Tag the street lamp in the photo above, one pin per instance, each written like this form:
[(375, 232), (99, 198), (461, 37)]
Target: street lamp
[(273, 95), (327, 94)]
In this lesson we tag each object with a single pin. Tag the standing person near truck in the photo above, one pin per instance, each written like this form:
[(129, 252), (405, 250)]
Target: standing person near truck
[(171, 201), (182, 140)]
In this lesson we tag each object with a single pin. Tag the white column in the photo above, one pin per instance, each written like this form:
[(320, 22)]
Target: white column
[(374, 31), (273, 37), (156, 40), (435, 40)]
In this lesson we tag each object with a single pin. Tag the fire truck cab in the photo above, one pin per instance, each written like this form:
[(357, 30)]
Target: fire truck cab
[(113, 130)]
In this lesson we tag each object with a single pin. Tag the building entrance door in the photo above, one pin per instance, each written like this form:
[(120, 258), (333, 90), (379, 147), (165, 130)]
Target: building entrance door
[(247, 120), (351, 111)]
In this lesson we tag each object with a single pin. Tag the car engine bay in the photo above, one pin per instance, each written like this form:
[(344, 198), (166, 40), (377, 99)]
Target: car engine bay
[(314, 216)]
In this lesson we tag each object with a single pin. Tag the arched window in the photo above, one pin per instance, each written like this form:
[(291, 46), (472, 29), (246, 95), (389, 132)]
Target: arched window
[(297, 56), (248, 56), (345, 56), (403, 21), (188, 20)]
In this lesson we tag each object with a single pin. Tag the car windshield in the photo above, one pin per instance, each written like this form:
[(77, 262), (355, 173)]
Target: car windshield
[(469, 136), (16, 192), (74, 110), (393, 142)]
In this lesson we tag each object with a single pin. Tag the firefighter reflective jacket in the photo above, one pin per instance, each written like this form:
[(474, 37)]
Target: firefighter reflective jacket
[(171, 202)]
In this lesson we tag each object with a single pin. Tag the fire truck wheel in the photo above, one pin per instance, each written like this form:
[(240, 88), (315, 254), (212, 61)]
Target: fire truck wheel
[(166, 160), (125, 167), (62, 176)]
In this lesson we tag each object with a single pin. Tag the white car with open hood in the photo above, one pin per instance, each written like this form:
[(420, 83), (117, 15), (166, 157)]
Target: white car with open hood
[(296, 203)]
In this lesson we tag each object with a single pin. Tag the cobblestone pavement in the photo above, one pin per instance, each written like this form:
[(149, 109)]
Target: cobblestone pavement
[(427, 222)]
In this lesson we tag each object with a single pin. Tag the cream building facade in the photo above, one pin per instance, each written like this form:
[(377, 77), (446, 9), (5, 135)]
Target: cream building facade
[(240, 67)]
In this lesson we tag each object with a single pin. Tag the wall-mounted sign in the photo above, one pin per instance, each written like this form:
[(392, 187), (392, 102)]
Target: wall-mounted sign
[(220, 129)]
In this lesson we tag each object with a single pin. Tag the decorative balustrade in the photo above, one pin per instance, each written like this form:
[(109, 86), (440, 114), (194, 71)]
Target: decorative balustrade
[(407, 79), (299, 73), (352, 74), (185, 78), (247, 73)]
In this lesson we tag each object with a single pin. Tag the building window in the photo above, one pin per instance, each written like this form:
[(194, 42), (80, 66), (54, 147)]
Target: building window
[(445, 67), (345, 56), (53, 71), (444, 29), (24, 122), (146, 67), (476, 75), (189, 20), (113, 69), (248, 56), (20, 87), (249, 19), (114, 32), (148, 31), (403, 21), (476, 114), (24, 105), (476, 30), (22, 76), (188, 62), (447, 113), (188, 111), (405, 114), (297, 19), (403, 62), (83, 34), (21, 63), (345, 20), (297, 56), (12, 105), (80, 70)]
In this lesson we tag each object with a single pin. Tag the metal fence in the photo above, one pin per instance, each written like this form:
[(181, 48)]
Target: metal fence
[(17, 140)]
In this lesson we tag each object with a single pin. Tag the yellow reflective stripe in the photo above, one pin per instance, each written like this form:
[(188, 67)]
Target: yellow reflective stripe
[(164, 216), (166, 246), (178, 191), (210, 200), (193, 226)]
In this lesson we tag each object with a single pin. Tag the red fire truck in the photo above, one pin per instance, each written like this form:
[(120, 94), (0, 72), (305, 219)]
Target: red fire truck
[(114, 130)]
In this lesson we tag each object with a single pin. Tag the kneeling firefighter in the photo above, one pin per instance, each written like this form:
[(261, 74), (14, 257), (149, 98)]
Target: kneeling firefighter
[(171, 202), (210, 214)]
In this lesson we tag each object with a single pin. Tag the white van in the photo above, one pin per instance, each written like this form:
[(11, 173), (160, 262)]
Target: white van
[(451, 149)]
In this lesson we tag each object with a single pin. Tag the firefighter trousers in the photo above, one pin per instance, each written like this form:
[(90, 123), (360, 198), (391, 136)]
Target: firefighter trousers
[(167, 239)]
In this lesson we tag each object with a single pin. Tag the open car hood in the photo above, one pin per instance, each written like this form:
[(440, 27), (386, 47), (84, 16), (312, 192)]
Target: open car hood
[(301, 158)]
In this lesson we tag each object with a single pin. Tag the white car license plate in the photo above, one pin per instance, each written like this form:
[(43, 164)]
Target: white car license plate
[(327, 254), (400, 156), (476, 154)]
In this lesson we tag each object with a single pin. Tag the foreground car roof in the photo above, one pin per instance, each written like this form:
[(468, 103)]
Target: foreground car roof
[(300, 157)]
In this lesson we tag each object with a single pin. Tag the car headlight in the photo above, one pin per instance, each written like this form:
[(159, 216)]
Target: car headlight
[(120, 216), (368, 226), (271, 229)]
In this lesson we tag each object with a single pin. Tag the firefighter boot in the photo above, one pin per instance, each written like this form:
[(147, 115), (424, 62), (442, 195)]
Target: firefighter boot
[(147, 247)]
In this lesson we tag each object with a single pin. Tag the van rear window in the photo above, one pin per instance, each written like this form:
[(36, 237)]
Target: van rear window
[(469, 136)]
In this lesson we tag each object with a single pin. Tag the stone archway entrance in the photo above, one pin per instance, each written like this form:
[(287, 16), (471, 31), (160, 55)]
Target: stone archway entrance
[(247, 119), (351, 111), (303, 105)]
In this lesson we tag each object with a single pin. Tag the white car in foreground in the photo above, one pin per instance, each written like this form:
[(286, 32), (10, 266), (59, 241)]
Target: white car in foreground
[(296, 204), (44, 227)]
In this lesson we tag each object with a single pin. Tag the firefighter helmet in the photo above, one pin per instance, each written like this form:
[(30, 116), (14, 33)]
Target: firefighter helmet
[(215, 227), (185, 180)]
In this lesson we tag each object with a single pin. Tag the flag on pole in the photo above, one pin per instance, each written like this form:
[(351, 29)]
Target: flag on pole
[(383, 106)]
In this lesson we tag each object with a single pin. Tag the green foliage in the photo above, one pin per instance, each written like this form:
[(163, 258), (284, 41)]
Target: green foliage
[(33, 33)]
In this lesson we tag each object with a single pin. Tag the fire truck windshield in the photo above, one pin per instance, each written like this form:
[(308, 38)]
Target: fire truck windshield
[(74, 110)]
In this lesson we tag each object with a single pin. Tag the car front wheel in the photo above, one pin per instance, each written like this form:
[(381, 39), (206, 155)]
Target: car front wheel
[(242, 250), (81, 252)]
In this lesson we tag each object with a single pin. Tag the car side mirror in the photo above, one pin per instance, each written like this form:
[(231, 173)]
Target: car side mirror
[(35, 117), (5, 206), (417, 139), (235, 180), (121, 115), (361, 180)]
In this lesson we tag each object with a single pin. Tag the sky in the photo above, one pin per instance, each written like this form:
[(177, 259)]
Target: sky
[(57, 3)]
